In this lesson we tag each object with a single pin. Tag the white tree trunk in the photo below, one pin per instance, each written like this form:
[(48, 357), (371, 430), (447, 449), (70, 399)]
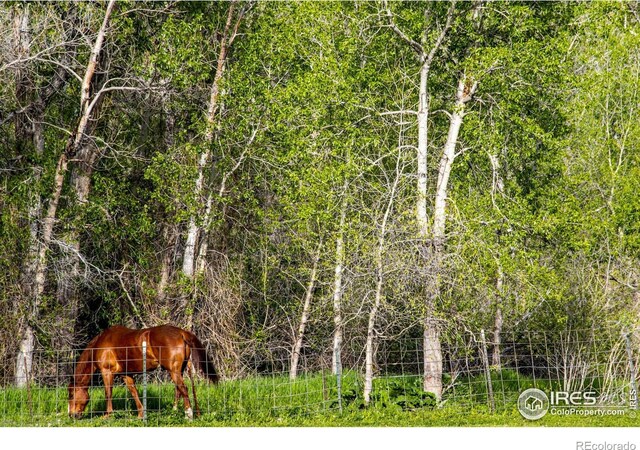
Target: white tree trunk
[(204, 244), (194, 229), (27, 339), (24, 361), (432, 356), (497, 186), (26, 132), (87, 98), (190, 244), (423, 119), (497, 340), (446, 162), (379, 258), (497, 323), (337, 289), (432, 351), (297, 346), (432, 346)]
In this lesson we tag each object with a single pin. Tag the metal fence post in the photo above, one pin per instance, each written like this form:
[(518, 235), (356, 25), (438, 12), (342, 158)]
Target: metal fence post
[(144, 381), (633, 395), (324, 390), (487, 373), (28, 375)]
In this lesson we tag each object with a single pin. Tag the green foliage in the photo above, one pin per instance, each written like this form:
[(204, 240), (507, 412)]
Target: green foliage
[(316, 117), (406, 393)]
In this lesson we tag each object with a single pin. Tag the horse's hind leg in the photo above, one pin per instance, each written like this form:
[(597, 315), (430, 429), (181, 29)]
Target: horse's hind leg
[(177, 396), (107, 376), (176, 376), (193, 388), (132, 388)]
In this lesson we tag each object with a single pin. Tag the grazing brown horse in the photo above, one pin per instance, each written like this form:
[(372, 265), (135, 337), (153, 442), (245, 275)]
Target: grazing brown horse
[(118, 352)]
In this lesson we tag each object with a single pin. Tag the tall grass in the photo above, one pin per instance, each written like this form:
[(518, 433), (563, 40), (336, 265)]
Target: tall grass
[(266, 399), (257, 396)]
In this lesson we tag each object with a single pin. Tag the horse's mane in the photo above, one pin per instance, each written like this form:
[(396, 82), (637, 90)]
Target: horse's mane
[(84, 366)]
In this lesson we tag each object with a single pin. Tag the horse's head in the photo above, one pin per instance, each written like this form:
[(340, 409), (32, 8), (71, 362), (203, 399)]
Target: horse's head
[(78, 399)]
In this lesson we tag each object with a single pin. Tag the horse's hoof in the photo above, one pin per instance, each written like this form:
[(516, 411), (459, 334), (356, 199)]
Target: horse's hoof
[(188, 414)]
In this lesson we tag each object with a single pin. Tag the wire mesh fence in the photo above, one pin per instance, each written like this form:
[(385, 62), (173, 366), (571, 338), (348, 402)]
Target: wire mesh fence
[(477, 375)]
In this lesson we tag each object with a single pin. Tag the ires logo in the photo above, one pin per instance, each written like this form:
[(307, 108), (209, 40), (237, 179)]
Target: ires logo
[(533, 403), (563, 398)]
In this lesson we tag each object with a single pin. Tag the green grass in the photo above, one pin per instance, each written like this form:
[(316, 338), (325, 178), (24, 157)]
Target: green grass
[(307, 401)]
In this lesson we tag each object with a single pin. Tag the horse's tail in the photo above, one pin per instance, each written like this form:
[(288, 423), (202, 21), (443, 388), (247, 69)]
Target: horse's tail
[(199, 356)]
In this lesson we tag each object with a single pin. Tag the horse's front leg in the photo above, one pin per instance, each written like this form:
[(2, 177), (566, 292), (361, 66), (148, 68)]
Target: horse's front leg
[(132, 388), (107, 377), (175, 399)]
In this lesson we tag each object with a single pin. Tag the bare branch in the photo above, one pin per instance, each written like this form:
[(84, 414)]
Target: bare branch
[(104, 90), (429, 59), (401, 34), (131, 302), (404, 111), (223, 184)]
